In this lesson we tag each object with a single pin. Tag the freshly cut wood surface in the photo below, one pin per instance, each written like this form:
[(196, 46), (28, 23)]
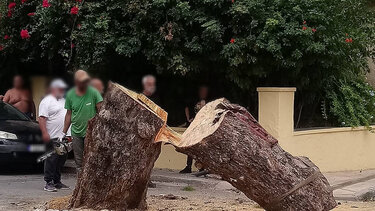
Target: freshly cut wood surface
[(120, 151), (229, 142)]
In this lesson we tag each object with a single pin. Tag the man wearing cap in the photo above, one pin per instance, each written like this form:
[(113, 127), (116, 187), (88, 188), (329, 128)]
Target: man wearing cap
[(51, 123), (82, 103)]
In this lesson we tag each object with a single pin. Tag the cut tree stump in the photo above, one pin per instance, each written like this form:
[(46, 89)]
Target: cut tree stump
[(123, 142), (120, 152), (229, 142)]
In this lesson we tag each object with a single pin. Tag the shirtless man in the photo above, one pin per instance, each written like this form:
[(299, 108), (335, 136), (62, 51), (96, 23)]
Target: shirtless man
[(20, 97)]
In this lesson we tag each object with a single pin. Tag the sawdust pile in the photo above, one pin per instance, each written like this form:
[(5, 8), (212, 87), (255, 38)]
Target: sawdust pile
[(60, 203)]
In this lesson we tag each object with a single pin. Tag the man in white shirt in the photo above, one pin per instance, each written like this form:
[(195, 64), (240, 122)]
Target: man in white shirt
[(51, 123)]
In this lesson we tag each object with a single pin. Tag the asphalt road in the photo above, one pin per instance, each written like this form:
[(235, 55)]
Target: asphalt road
[(21, 188)]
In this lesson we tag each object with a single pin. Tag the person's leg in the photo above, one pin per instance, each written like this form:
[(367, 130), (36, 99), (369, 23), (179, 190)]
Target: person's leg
[(189, 164), (60, 164), (78, 146), (49, 171), (57, 176)]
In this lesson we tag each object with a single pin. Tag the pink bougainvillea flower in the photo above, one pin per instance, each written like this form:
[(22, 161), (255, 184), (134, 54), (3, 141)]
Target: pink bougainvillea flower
[(25, 34), (79, 26), (304, 28), (72, 45), (6, 37), (313, 30), (232, 1), (232, 40), (74, 10), (31, 14), (46, 4), (304, 22), (1, 48), (78, 0), (23, 1), (349, 40), (12, 5)]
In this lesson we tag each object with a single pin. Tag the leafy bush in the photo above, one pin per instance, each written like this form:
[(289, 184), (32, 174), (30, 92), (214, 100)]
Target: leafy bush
[(319, 46), (352, 102)]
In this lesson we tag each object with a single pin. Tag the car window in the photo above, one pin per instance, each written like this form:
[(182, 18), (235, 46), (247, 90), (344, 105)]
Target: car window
[(8, 112)]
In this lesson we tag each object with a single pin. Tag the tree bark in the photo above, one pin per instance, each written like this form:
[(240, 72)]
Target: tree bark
[(229, 142), (119, 153)]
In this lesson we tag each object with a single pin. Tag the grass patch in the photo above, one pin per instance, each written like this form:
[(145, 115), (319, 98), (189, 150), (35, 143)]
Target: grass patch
[(188, 188)]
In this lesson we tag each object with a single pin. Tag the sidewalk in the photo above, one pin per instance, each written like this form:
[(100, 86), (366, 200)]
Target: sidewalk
[(349, 185), (352, 185)]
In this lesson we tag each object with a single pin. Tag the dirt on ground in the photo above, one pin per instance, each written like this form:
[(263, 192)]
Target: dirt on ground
[(177, 203), (172, 202), (173, 192), (216, 205)]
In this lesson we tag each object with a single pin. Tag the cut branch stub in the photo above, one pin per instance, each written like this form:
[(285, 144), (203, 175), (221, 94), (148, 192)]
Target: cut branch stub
[(120, 152), (229, 142)]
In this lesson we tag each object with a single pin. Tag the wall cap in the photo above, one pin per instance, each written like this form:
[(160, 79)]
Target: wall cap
[(276, 89), (331, 130)]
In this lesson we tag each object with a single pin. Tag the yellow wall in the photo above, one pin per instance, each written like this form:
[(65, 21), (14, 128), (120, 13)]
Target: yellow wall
[(334, 149), (170, 159), (331, 149), (38, 87)]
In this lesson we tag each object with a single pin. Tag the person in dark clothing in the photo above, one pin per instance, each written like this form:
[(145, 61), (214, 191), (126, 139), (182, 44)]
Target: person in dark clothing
[(149, 88), (190, 112), (52, 171)]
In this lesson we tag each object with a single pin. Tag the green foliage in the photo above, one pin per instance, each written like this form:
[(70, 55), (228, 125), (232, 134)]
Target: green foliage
[(316, 45), (352, 102)]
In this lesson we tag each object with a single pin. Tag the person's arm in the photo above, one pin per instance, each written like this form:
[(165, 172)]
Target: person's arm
[(32, 105), (43, 116), (33, 109), (7, 96), (43, 127), (68, 115), (67, 121), (98, 106), (98, 100)]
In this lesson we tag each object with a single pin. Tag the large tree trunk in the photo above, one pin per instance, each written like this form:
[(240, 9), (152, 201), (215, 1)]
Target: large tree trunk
[(119, 153), (229, 142)]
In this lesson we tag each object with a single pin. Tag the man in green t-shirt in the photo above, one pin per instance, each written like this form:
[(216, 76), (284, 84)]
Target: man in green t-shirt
[(82, 103)]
